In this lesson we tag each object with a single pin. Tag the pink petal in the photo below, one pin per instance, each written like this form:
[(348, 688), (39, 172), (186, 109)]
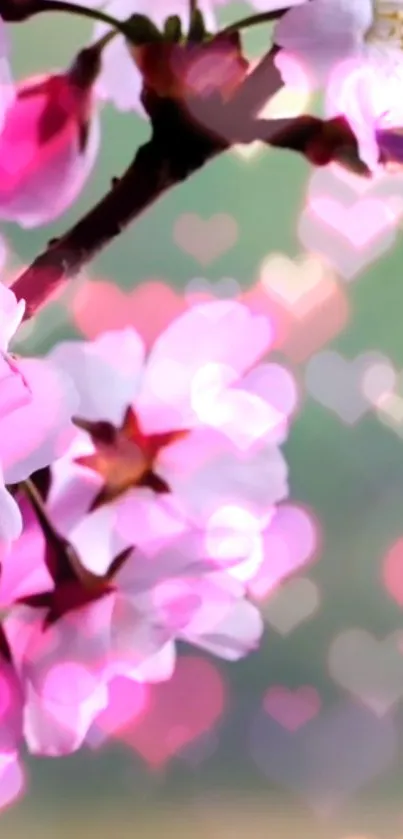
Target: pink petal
[(106, 372), (221, 332), (324, 32), (97, 539), (205, 472), (241, 415), (23, 570), (73, 487), (235, 636), (30, 435), (10, 516), (61, 669), (11, 314), (12, 779), (144, 518), (57, 728), (11, 704), (158, 667), (184, 556), (40, 176), (135, 638)]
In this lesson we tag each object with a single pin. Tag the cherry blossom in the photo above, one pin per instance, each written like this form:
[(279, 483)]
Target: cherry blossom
[(36, 404), (322, 33), (168, 439), (69, 636), (48, 727), (48, 145), (370, 97)]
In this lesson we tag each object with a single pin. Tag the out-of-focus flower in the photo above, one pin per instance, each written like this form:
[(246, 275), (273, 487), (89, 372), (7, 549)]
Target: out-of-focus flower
[(371, 99), (322, 33), (267, 5), (36, 404), (48, 143), (169, 439), (120, 80)]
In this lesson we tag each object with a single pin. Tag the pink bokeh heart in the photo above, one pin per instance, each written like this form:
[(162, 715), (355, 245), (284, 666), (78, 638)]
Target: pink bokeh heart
[(304, 323), (99, 305), (292, 709), (289, 544), (127, 701), (350, 236), (178, 711), (205, 239), (392, 572)]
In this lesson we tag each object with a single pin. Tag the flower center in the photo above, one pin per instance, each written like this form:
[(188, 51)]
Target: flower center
[(124, 457), (387, 23)]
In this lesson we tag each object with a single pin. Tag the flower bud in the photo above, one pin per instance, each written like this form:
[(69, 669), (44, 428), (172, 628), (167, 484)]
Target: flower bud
[(48, 144)]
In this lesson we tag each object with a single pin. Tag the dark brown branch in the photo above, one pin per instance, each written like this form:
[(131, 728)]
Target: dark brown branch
[(180, 145), (175, 151)]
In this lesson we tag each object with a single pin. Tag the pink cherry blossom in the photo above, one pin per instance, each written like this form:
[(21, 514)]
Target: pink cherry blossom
[(370, 97), (323, 33), (120, 80), (49, 727), (36, 403), (48, 146), (69, 642), (196, 425)]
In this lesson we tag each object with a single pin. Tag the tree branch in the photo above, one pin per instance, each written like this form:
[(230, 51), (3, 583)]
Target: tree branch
[(167, 159), (179, 146)]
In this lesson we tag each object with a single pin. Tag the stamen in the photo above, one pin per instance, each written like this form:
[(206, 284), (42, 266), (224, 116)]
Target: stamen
[(388, 25)]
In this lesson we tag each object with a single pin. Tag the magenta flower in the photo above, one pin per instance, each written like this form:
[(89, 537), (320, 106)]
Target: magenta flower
[(170, 439), (48, 146), (36, 403)]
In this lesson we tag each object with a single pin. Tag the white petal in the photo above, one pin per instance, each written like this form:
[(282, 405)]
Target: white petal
[(55, 729), (106, 372), (159, 667), (135, 638), (144, 518), (11, 314), (97, 540), (73, 487), (238, 633), (222, 332), (205, 472), (32, 435), (10, 516), (323, 32)]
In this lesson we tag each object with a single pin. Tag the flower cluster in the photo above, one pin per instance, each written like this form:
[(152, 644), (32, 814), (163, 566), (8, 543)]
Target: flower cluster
[(138, 489)]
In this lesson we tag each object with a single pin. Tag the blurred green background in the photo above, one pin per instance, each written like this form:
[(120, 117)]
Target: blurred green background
[(351, 477)]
